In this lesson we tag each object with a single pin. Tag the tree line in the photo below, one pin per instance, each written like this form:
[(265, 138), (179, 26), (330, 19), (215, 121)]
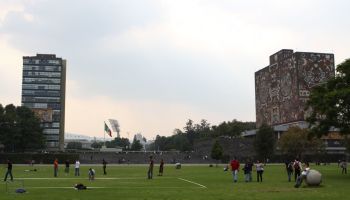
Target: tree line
[(183, 140), (123, 143)]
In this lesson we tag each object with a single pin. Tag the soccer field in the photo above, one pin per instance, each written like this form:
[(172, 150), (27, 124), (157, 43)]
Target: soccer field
[(190, 182)]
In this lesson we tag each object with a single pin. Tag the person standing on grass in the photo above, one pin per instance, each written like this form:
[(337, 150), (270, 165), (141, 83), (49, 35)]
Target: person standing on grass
[(66, 170), (161, 167), (259, 170), (91, 174), (343, 166), (104, 163), (150, 168), (248, 171), (9, 170), (55, 167), (289, 169), (297, 169), (235, 168), (77, 168)]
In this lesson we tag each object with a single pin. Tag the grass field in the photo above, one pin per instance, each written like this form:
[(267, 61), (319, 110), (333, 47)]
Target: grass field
[(190, 182)]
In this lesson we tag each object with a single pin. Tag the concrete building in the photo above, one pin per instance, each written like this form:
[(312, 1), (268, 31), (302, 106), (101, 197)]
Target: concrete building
[(43, 90), (283, 87)]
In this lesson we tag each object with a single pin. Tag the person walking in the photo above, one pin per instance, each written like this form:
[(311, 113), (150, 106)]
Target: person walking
[(234, 168), (161, 167), (289, 169), (77, 168), (104, 164), (55, 167), (66, 169), (150, 168), (248, 167), (259, 170), (297, 168), (344, 167), (9, 170)]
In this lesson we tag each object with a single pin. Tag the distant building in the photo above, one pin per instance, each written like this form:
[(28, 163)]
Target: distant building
[(86, 141), (283, 87), (43, 90)]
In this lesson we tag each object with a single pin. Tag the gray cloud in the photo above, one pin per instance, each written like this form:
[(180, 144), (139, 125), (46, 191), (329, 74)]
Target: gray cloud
[(96, 37)]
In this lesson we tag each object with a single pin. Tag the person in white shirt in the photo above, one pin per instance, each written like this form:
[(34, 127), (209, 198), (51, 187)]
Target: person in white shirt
[(303, 175), (259, 170), (77, 167)]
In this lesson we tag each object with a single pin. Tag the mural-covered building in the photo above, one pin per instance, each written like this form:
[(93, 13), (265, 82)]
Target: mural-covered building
[(283, 87)]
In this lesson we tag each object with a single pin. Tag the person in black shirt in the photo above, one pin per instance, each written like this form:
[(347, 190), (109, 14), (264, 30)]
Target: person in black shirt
[(150, 168), (161, 167), (9, 170), (104, 163), (66, 170)]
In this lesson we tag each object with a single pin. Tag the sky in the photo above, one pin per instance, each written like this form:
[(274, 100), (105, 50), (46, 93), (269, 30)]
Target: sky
[(154, 64)]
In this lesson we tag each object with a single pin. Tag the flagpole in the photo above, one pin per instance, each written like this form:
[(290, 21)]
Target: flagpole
[(104, 133)]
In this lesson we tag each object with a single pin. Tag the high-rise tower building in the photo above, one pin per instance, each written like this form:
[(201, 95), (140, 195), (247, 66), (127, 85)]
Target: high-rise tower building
[(283, 87), (43, 90)]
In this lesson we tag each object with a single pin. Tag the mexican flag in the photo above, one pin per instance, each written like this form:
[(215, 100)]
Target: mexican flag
[(109, 132)]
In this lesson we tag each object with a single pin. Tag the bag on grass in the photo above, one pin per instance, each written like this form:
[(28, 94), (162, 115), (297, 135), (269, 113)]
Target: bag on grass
[(20, 190)]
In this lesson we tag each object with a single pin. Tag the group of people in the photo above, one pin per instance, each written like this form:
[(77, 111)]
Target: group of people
[(247, 169), (300, 173), (151, 165), (91, 171)]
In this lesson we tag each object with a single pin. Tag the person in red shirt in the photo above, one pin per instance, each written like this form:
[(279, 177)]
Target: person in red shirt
[(234, 168), (55, 167)]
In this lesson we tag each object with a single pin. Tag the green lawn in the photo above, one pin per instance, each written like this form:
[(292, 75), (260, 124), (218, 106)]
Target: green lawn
[(190, 182)]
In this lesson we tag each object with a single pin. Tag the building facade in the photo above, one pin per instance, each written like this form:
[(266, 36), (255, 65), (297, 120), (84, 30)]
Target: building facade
[(283, 87), (43, 90)]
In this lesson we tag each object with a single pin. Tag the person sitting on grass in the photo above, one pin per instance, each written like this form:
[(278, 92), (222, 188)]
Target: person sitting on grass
[(80, 186), (303, 175), (91, 174)]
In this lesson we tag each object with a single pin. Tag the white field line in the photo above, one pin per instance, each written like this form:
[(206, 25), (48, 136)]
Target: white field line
[(111, 178), (202, 186), (63, 187), (140, 187)]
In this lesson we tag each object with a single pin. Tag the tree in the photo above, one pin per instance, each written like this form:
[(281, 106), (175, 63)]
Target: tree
[(264, 142), (136, 145), (20, 129), (29, 129), (97, 145), (232, 128), (181, 142), (295, 142), (124, 143), (217, 151), (330, 103), (191, 132), (74, 145)]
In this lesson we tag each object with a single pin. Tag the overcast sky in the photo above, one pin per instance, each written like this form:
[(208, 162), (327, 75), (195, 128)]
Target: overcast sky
[(152, 65)]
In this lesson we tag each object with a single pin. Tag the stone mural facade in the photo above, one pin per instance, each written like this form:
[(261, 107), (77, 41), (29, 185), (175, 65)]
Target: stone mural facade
[(283, 87)]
